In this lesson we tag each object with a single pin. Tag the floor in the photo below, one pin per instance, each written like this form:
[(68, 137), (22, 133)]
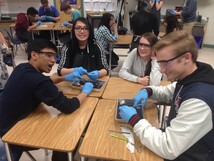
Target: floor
[(205, 55)]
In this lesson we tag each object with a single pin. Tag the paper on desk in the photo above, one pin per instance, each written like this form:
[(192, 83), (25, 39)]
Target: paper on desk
[(130, 138), (43, 26)]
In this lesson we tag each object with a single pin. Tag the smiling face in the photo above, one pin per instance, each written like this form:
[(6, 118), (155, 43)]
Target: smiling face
[(44, 60), (144, 49), (81, 31), (174, 66)]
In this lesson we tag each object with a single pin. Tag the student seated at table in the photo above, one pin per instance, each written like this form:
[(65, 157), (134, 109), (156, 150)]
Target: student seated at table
[(74, 13), (27, 87), (171, 23), (24, 24), (140, 66), (107, 32), (3, 69), (142, 22), (189, 135), (48, 13), (83, 51)]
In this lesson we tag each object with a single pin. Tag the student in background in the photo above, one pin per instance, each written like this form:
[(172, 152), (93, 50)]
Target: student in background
[(3, 69), (140, 66), (83, 51), (24, 24), (189, 135), (27, 87), (156, 6), (107, 32), (48, 13), (171, 23), (74, 13), (142, 22), (188, 14)]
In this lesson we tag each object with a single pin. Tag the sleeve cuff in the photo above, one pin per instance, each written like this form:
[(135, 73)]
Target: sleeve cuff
[(149, 91), (134, 119)]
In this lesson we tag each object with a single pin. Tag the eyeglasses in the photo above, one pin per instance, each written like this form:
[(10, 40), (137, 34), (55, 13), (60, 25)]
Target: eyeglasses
[(48, 54), (144, 45), (79, 29), (164, 63)]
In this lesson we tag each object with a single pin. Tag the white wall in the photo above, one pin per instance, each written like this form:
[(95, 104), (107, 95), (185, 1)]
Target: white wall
[(205, 8), (16, 6)]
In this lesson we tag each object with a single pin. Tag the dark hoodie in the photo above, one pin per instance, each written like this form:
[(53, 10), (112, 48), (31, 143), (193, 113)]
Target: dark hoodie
[(199, 85)]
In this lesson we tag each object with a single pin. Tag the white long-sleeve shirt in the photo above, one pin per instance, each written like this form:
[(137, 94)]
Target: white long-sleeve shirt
[(134, 67), (193, 121)]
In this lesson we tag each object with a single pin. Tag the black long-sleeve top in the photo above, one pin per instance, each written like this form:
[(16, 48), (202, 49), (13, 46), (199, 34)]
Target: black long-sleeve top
[(25, 90), (143, 22)]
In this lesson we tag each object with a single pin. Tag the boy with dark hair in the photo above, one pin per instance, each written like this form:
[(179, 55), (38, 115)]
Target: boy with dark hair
[(24, 24), (27, 87)]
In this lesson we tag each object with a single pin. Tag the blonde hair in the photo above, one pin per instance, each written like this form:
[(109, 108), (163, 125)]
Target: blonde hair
[(181, 41)]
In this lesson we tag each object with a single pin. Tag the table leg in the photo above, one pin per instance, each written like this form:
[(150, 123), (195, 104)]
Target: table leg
[(82, 158), (7, 148), (70, 156), (110, 55)]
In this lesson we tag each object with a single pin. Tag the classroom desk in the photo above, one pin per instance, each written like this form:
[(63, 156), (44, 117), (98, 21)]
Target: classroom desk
[(47, 128), (120, 88), (97, 142), (122, 40), (92, 16), (60, 28), (45, 26), (65, 87)]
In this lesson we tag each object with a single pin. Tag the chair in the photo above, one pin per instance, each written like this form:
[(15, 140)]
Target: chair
[(15, 42)]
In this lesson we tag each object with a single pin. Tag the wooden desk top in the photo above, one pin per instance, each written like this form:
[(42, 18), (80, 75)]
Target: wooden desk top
[(60, 27), (47, 128), (120, 88), (123, 40), (66, 88), (97, 142), (45, 26)]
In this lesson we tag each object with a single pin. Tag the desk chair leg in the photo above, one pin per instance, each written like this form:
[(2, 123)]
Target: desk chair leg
[(82, 158), (7, 148), (110, 55), (30, 155), (70, 156)]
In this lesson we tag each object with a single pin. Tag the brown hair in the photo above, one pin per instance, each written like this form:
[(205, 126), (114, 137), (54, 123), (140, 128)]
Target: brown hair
[(152, 38), (65, 7), (181, 41), (44, 1)]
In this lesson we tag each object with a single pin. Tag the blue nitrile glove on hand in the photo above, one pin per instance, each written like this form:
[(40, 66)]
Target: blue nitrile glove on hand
[(87, 88), (140, 98), (43, 18), (126, 112), (49, 18), (172, 11), (73, 77), (65, 24), (80, 70), (94, 75), (38, 23)]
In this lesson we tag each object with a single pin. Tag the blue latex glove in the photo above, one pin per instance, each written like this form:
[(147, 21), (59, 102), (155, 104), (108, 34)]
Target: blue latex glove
[(87, 88), (65, 24), (126, 112), (38, 23), (140, 98), (43, 18), (49, 18), (94, 75), (80, 70), (73, 77), (172, 11)]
